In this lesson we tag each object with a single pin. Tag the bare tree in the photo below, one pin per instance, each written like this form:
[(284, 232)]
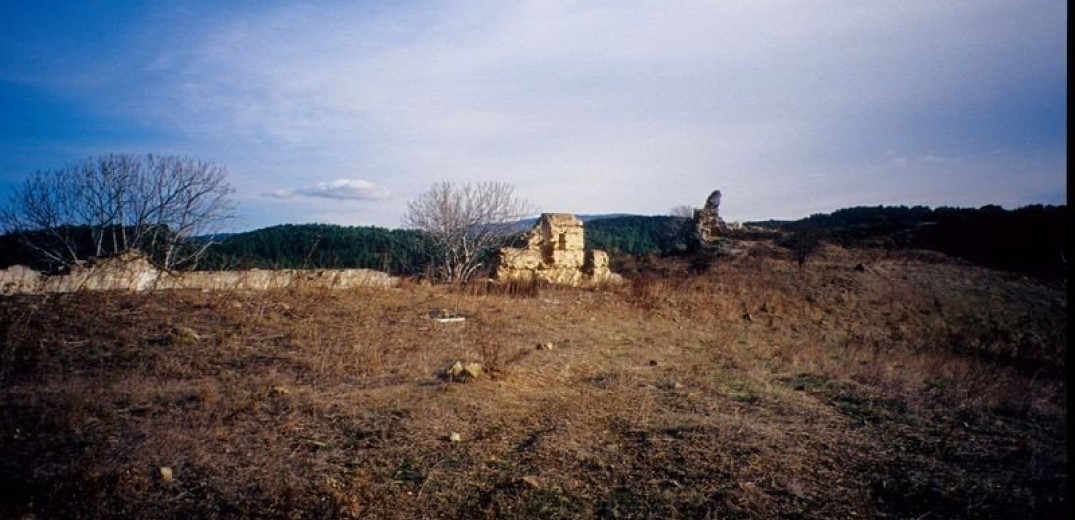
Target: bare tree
[(465, 222), (678, 232), (683, 211), (803, 243), (114, 203)]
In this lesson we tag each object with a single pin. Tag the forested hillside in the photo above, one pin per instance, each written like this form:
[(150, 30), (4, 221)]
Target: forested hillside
[(1031, 239), (396, 251), (637, 235)]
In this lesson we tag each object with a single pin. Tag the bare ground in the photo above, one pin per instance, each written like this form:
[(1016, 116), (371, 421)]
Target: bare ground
[(910, 389)]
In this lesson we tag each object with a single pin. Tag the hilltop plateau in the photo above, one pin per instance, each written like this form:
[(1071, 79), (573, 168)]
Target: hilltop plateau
[(865, 384)]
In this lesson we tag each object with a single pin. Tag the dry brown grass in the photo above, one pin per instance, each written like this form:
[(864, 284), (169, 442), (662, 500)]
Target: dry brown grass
[(754, 390)]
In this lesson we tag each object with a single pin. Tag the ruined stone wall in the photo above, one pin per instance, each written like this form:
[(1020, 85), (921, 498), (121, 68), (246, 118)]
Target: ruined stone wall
[(598, 269), (132, 272), (709, 227), (555, 253)]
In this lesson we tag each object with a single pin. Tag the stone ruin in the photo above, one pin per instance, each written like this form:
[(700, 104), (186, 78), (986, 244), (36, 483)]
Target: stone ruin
[(708, 226), (131, 271), (556, 253)]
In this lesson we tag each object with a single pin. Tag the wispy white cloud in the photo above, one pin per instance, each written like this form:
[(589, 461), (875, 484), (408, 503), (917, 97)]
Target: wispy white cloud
[(901, 160), (340, 189), (940, 160)]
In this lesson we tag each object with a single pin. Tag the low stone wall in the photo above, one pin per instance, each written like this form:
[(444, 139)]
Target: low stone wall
[(134, 273)]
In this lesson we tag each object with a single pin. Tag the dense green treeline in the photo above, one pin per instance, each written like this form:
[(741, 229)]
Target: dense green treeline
[(1031, 239), (50, 251), (15, 251), (637, 235), (396, 251)]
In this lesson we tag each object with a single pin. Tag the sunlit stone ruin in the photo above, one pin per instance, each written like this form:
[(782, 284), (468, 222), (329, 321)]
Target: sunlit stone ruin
[(131, 271), (556, 253)]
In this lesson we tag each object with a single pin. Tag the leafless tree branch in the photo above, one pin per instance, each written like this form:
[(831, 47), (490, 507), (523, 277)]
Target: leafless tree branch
[(463, 222), (114, 203)]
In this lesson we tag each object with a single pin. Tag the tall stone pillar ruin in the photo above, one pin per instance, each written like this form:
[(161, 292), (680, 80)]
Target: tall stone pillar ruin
[(708, 226)]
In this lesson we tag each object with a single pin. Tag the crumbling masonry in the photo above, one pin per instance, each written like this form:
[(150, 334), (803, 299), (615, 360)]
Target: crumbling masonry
[(708, 226), (131, 271), (556, 253)]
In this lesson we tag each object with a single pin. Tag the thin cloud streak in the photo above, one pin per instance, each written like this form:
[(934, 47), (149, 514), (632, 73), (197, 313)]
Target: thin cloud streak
[(340, 189)]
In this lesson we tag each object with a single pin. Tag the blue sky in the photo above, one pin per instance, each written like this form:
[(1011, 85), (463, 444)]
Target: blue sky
[(341, 112)]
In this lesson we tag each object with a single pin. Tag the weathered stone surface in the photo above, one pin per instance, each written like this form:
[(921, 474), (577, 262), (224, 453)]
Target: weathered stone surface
[(568, 259), (561, 232), (597, 267), (708, 226), (460, 371), (572, 276), (599, 260), (19, 279), (556, 253), (525, 259), (132, 272), (713, 201)]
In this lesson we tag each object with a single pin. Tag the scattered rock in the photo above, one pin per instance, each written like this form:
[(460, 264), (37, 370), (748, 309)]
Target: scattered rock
[(455, 437), (747, 317), (183, 335), (653, 363), (165, 473), (546, 346), (531, 481), (472, 370), (860, 267), (446, 316), (279, 391), (460, 371)]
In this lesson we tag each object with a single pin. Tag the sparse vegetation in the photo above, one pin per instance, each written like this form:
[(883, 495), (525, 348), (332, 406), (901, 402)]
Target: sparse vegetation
[(910, 389)]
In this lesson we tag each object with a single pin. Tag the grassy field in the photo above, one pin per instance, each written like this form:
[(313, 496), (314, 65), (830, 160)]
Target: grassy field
[(912, 387)]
